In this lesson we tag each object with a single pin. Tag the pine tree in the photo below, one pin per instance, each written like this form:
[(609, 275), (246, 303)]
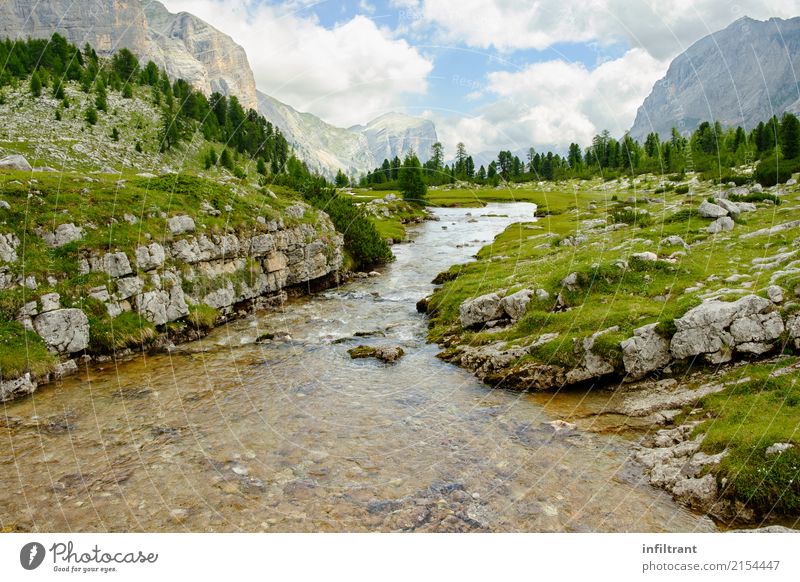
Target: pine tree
[(91, 115), (115, 134), (341, 179), (225, 160), (36, 84), (101, 100), (261, 167), (412, 183), (790, 136)]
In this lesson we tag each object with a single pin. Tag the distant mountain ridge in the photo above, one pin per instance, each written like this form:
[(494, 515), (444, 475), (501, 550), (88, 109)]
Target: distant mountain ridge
[(740, 75), (355, 150)]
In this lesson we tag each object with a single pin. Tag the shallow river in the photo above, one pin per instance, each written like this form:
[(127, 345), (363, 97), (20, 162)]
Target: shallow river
[(226, 434)]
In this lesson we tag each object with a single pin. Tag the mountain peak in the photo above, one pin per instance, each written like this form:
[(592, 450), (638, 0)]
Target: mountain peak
[(740, 75)]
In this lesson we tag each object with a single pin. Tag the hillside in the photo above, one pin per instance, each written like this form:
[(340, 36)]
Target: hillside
[(741, 75), (186, 46)]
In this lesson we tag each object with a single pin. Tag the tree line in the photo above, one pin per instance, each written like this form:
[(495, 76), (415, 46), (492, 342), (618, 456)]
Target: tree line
[(710, 149)]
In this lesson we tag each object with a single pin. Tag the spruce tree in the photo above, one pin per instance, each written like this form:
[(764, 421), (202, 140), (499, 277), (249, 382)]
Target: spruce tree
[(790, 136), (36, 84), (412, 183)]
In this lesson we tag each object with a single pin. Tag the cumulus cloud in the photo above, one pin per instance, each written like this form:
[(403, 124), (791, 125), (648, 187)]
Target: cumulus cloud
[(554, 103), (663, 29), (346, 74)]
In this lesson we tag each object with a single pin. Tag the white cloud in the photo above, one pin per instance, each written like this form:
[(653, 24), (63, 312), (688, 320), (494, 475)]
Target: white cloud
[(554, 103), (346, 75), (662, 28)]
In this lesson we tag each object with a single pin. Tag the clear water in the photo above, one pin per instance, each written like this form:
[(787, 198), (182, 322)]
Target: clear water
[(228, 435)]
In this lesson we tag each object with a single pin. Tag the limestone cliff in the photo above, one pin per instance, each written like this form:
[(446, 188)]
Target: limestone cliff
[(186, 46), (738, 76)]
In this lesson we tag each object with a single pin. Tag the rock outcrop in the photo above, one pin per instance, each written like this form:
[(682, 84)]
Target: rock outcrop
[(228, 272), (716, 329), (65, 331), (645, 352), (496, 307)]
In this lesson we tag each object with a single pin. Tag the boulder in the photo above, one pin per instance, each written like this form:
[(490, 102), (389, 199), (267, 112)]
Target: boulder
[(150, 257), (516, 304), (646, 256), (22, 386), (645, 352), (50, 302), (15, 162), (732, 207), (722, 224), (383, 353), (716, 328), (674, 241), (8, 247), (116, 264), (62, 235), (128, 287), (570, 282), (64, 330), (775, 293), (180, 224), (793, 329), (710, 210), (778, 448), (480, 310)]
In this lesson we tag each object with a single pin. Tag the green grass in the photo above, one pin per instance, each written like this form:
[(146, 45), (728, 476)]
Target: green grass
[(202, 317), (108, 335), (748, 417), (22, 351)]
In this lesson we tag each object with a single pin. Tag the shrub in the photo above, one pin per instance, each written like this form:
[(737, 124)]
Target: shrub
[(682, 189), (755, 197), (632, 217), (361, 239), (682, 215), (774, 170)]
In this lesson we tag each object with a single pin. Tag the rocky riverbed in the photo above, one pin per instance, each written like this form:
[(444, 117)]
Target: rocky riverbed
[(268, 424)]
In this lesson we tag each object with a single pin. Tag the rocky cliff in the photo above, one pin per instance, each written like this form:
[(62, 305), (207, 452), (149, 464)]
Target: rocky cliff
[(184, 45), (738, 76)]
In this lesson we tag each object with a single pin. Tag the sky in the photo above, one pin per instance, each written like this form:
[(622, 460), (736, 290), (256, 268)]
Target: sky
[(494, 74)]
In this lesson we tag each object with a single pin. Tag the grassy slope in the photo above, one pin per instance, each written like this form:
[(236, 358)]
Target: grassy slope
[(745, 419), (77, 193)]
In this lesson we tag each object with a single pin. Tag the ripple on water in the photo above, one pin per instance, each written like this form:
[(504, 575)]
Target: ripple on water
[(291, 434)]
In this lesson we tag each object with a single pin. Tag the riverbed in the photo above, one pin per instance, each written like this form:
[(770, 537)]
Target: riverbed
[(291, 434)]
